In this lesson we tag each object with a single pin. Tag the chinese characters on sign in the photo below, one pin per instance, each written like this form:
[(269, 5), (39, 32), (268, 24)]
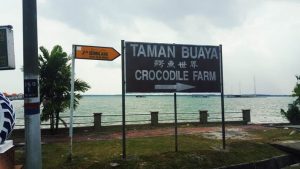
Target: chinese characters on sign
[(156, 67)]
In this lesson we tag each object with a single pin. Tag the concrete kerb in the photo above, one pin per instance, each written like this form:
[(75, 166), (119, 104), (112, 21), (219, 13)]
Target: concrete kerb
[(296, 127), (290, 146), (272, 163)]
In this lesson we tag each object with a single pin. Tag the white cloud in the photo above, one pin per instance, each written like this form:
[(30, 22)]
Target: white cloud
[(53, 32), (265, 46), (259, 38)]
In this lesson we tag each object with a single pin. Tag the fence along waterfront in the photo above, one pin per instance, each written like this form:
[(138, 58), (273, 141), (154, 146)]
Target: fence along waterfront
[(148, 118)]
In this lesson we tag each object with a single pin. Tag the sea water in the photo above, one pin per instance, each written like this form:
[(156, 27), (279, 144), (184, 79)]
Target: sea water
[(138, 108)]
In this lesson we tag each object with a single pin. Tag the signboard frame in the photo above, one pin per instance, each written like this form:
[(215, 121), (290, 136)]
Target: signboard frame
[(124, 90), (95, 53), (7, 55), (169, 68)]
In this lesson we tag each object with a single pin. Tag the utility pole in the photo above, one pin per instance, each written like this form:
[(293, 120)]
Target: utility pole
[(31, 87)]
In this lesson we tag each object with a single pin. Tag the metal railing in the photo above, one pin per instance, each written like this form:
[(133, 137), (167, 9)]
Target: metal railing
[(152, 118)]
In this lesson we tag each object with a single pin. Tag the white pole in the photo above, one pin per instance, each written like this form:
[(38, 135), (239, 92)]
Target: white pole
[(72, 103)]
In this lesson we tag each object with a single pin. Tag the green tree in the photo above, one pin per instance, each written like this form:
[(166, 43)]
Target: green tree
[(293, 112), (296, 91), (55, 77)]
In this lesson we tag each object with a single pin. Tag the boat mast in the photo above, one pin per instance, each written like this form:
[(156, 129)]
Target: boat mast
[(254, 84), (240, 88)]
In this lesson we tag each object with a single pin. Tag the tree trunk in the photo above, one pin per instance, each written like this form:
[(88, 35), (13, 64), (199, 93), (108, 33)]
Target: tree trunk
[(52, 123), (57, 120)]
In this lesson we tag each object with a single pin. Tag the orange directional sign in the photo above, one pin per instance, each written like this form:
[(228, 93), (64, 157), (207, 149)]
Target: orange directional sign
[(95, 52)]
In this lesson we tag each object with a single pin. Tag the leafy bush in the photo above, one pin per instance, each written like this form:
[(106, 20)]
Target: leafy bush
[(292, 114)]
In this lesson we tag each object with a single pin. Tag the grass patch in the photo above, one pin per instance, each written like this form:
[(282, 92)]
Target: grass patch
[(275, 134), (155, 152), (204, 155)]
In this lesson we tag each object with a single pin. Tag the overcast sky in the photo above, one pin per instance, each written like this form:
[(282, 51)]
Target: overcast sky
[(260, 38)]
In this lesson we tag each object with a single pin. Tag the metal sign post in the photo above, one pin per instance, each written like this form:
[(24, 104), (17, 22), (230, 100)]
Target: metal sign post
[(175, 117), (31, 87), (222, 98), (91, 53), (123, 104), (72, 105)]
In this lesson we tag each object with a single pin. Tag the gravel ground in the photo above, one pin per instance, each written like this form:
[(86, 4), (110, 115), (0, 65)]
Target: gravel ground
[(232, 132)]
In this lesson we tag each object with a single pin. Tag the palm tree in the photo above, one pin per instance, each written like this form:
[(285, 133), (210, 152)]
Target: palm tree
[(55, 77)]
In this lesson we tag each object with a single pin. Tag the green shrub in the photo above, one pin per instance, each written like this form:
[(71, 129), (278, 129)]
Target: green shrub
[(292, 114)]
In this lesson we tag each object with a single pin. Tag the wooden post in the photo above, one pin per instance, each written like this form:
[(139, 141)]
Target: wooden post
[(97, 120), (203, 116), (246, 116), (154, 118)]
